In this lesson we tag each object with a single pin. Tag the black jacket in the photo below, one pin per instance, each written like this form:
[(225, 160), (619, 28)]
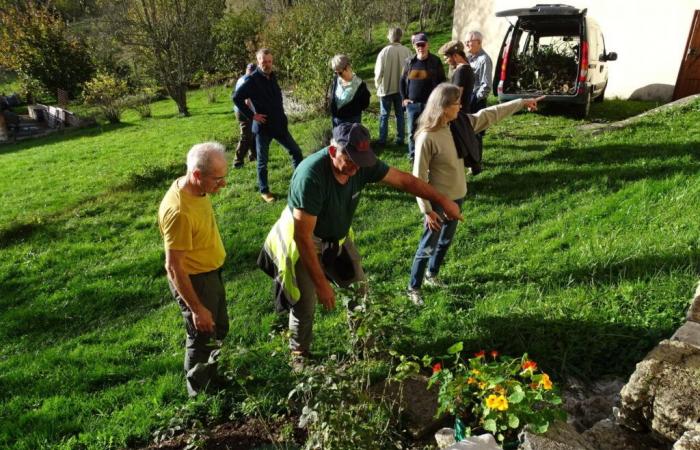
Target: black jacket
[(436, 72), (266, 95), (359, 102)]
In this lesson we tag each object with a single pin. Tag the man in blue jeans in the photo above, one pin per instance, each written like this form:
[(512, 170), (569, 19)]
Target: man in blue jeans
[(269, 120), (387, 73), (420, 76)]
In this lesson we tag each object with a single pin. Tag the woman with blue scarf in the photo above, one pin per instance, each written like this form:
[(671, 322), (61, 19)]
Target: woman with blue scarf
[(348, 95)]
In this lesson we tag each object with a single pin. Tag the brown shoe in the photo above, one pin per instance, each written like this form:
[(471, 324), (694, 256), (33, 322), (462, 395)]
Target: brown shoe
[(269, 197)]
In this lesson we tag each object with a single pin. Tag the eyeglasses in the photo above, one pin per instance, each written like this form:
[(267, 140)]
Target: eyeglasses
[(420, 44), (340, 72)]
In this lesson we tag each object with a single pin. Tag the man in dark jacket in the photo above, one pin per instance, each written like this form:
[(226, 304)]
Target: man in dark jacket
[(421, 74), (269, 119)]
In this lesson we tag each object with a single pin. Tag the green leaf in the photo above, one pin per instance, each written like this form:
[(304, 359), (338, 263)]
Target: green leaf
[(490, 425), (517, 396), (456, 348), (513, 421)]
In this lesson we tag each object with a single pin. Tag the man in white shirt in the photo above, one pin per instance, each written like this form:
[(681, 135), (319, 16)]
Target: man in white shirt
[(387, 73)]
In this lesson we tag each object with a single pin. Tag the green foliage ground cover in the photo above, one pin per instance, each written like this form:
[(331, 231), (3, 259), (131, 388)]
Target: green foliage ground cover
[(579, 250)]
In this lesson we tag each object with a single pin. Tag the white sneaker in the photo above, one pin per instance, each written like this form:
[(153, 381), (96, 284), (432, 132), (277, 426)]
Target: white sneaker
[(415, 297), (433, 281)]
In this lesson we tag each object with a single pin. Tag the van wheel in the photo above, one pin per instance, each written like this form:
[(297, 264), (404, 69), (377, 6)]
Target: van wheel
[(601, 97), (583, 109)]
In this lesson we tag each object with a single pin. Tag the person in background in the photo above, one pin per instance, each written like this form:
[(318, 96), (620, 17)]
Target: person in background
[(462, 73), (437, 162), (269, 120), (387, 74), (194, 255), (483, 74), (246, 143), (347, 95), (421, 74)]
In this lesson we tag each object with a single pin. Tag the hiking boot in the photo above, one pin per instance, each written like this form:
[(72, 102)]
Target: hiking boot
[(432, 280), (237, 164), (268, 197), (415, 297)]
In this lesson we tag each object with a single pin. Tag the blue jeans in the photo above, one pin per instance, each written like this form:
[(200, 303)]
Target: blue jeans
[(353, 119), (413, 110), (262, 145), (385, 104), (432, 248)]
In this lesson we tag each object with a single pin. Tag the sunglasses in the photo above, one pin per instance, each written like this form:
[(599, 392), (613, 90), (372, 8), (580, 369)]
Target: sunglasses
[(420, 44)]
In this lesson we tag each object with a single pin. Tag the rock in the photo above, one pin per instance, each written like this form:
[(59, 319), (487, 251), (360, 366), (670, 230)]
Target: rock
[(586, 405), (662, 394), (694, 310), (445, 437), (689, 441), (481, 442), (606, 435), (560, 436), (688, 333)]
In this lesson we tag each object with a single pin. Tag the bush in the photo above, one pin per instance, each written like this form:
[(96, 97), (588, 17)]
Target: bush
[(237, 37), (305, 39), (107, 93), (141, 101)]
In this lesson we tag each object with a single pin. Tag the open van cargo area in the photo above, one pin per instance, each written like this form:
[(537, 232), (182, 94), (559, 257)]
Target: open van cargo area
[(544, 57)]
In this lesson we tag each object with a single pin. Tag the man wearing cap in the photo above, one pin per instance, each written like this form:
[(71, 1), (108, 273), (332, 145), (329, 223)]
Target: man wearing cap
[(312, 241), (462, 73), (269, 120), (245, 142), (387, 73), (421, 74)]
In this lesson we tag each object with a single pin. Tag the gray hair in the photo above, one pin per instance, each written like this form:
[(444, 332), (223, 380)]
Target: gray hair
[(262, 52), (394, 34), (340, 62), (433, 116), (476, 35), (201, 155)]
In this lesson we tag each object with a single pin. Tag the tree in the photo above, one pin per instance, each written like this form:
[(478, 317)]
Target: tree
[(35, 42), (174, 36), (237, 39)]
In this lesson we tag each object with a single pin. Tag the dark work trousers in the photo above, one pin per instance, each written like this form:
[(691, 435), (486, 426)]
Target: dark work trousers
[(246, 142), (475, 106), (199, 346)]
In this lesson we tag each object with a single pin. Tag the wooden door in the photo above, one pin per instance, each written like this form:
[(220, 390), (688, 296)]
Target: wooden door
[(688, 82)]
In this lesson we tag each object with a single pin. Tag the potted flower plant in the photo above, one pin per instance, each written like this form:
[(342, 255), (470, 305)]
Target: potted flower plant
[(494, 393)]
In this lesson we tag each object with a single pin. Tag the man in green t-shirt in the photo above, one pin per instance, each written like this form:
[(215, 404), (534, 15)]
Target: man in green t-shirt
[(323, 196), (194, 254)]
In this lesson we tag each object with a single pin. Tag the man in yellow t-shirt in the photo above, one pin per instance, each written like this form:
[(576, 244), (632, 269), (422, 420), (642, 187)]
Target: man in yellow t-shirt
[(194, 254)]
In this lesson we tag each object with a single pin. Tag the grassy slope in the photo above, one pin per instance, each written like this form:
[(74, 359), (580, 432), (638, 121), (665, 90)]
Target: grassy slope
[(581, 251)]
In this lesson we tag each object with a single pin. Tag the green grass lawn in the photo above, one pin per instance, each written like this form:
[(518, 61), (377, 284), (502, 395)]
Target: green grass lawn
[(582, 251)]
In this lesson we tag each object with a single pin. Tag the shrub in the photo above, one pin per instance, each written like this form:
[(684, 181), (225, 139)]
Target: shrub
[(107, 93), (141, 101), (237, 39), (305, 39), (495, 393)]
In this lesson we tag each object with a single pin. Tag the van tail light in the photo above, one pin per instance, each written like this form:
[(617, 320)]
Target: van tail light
[(504, 66), (583, 71)]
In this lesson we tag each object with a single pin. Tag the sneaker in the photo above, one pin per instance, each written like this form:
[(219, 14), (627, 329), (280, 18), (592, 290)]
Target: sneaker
[(298, 361), (433, 281), (269, 197), (415, 297)]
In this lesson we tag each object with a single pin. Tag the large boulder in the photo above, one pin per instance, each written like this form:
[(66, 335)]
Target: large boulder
[(560, 436), (689, 441), (663, 393)]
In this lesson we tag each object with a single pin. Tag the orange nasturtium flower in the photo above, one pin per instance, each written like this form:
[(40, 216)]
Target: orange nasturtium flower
[(480, 354), (494, 354), (530, 365), (545, 382), (471, 380), (437, 367), (499, 389)]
